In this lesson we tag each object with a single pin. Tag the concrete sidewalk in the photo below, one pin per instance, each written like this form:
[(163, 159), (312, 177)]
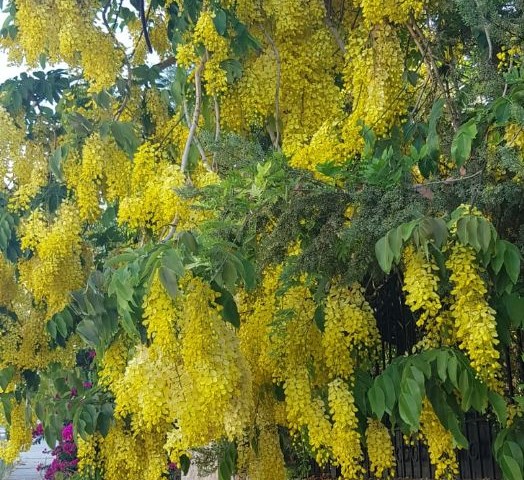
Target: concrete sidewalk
[(25, 467)]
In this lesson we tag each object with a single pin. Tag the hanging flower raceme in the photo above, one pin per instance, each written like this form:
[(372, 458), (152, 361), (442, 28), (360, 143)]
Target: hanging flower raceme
[(475, 322), (440, 443), (350, 330), (380, 449)]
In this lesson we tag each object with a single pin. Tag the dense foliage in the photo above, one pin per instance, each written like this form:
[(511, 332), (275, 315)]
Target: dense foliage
[(205, 202)]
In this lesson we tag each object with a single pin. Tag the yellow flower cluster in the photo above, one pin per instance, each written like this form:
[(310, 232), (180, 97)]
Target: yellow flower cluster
[(217, 49), (421, 284), (440, 443), (380, 449), (38, 26), (325, 146), (257, 312), (295, 70), (350, 330), (374, 80), (20, 436), (475, 322), (102, 174), (303, 410), (267, 463), (214, 369), (88, 455), (56, 268), (122, 454), (113, 363), (396, 11), (11, 145), (345, 439), (8, 287), (160, 317), (26, 343), (29, 174), (149, 402), (153, 201), (64, 31)]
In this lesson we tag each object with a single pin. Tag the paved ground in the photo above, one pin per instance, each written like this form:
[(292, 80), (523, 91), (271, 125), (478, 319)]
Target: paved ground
[(25, 467)]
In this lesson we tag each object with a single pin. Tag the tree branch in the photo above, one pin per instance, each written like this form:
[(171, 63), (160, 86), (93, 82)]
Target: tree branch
[(429, 59), (196, 141), (336, 34), (168, 62), (196, 116), (143, 20), (217, 128)]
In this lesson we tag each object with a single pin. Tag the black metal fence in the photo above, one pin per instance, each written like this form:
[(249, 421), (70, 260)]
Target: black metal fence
[(397, 326)]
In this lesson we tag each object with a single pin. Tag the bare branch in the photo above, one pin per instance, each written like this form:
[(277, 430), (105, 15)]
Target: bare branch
[(336, 34), (168, 62), (196, 115), (447, 181), (217, 128), (143, 21), (425, 50)]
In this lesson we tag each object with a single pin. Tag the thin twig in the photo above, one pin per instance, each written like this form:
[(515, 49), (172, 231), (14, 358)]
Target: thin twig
[(172, 229), (216, 106), (117, 13), (485, 26), (129, 81), (449, 180), (429, 59), (196, 116)]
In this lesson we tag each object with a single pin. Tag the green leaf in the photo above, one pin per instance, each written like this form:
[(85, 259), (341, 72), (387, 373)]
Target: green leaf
[(220, 21), (462, 141), (514, 305), (229, 274), (171, 260), (445, 413), (320, 318), (410, 404), (169, 280), (229, 308), (125, 137), (510, 468), (386, 385), (485, 233), (452, 370), (377, 400), (6, 375), (498, 260), (432, 139), (462, 230), (384, 254), (442, 364), (55, 163), (188, 240), (50, 435), (394, 238), (184, 463), (88, 332), (512, 262), (472, 227), (466, 390), (499, 407), (434, 229)]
